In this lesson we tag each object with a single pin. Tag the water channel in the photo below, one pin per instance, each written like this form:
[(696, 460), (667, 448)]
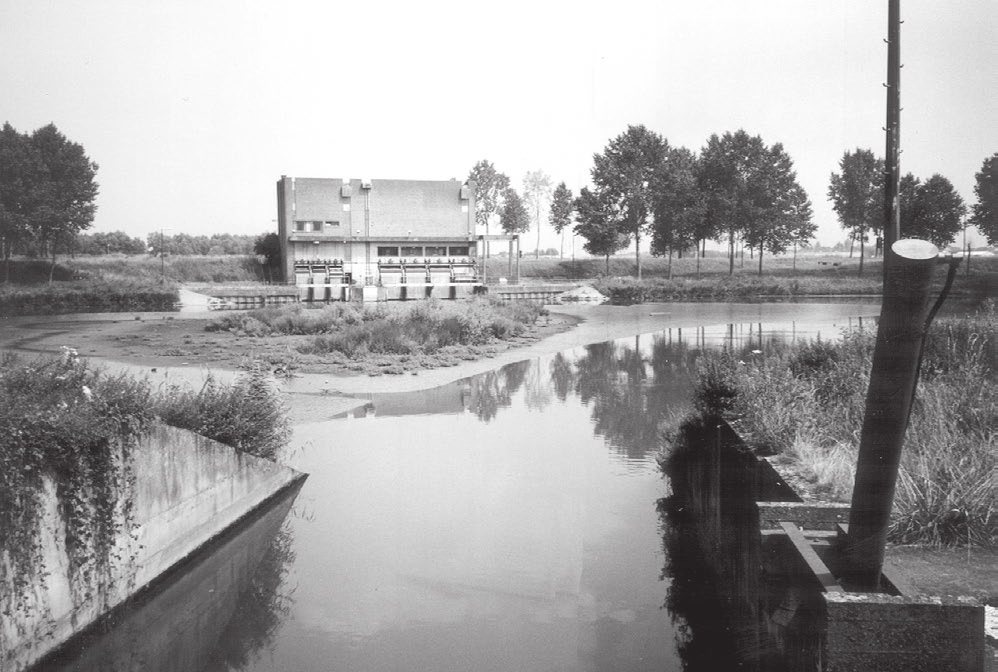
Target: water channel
[(505, 521)]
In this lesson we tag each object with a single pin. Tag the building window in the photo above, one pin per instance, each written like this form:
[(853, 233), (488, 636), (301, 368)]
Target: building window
[(317, 226), (346, 207), (436, 251), (412, 251), (458, 251), (389, 251), (331, 224), (300, 226)]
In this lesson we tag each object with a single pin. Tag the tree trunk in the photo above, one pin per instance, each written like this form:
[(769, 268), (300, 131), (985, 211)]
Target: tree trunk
[(731, 252), (637, 251), (608, 265), (862, 235), (760, 258), (537, 251), (561, 252), (670, 263)]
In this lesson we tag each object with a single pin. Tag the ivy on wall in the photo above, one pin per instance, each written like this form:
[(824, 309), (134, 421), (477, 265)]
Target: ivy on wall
[(62, 420)]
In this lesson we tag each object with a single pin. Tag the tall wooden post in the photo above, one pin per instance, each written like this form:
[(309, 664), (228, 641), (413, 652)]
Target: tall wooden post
[(893, 376)]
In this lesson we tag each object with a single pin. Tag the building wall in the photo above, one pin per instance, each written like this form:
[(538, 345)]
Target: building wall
[(322, 218)]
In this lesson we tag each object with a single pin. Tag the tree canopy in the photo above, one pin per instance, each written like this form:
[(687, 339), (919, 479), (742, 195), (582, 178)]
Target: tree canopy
[(560, 215), (47, 189), (514, 217), (598, 223), (623, 176), (490, 186), (932, 210), (856, 194), (750, 192), (536, 195), (677, 203), (985, 211)]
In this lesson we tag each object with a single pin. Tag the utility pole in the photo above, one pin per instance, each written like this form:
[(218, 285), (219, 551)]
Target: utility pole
[(892, 171)]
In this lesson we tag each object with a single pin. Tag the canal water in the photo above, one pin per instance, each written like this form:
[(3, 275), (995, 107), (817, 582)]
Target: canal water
[(506, 521)]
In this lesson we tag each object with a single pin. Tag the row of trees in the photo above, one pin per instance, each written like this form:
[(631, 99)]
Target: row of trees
[(930, 210), (737, 190), (47, 191)]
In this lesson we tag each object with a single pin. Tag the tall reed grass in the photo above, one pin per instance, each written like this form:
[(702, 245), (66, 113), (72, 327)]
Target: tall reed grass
[(808, 402)]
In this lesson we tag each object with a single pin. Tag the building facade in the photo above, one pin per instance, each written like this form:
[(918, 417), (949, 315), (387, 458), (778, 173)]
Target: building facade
[(376, 233)]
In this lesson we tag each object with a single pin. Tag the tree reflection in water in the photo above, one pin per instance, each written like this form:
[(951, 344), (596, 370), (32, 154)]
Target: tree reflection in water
[(261, 607)]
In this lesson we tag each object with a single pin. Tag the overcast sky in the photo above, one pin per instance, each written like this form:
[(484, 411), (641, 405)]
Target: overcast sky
[(194, 108)]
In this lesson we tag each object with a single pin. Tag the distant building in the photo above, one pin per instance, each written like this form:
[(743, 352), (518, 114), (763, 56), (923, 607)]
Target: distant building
[(407, 236)]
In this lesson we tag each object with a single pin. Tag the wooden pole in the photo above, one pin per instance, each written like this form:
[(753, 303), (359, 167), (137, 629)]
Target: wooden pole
[(893, 376)]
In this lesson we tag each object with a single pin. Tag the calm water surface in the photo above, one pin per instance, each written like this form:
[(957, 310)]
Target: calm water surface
[(502, 522)]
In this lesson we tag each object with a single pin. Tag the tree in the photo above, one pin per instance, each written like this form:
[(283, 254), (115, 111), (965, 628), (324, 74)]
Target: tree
[(857, 195), (622, 176), (984, 214), (21, 173), (490, 186), (598, 225), (66, 195), (536, 193), (514, 217), (785, 213), (560, 215), (932, 210), (748, 191), (677, 204), (113, 242), (268, 246)]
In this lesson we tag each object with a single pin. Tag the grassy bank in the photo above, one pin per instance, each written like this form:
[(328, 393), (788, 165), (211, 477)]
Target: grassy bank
[(86, 296), (807, 402), (388, 338)]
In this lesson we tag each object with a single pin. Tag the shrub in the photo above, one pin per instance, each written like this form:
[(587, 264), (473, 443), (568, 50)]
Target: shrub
[(249, 415), (62, 420)]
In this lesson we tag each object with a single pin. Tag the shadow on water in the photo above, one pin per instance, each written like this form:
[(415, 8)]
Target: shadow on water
[(729, 613), (217, 611)]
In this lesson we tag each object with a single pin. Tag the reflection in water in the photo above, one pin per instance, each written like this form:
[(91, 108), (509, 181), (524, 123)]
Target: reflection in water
[(506, 521), (219, 612)]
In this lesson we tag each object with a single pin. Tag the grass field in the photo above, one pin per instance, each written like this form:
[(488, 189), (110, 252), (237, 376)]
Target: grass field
[(118, 282)]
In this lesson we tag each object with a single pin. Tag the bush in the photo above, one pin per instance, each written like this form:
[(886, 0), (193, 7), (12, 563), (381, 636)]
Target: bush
[(249, 415)]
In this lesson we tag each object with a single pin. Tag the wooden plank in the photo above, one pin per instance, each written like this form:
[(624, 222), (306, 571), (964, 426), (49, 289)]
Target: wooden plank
[(821, 572)]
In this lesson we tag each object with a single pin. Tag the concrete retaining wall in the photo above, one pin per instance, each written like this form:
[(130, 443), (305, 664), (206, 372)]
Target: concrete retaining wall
[(186, 490)]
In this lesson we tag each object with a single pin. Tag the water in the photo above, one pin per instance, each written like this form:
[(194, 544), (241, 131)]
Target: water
[(502, 522)]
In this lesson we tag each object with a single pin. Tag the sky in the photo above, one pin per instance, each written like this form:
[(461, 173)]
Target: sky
[(193, 109)]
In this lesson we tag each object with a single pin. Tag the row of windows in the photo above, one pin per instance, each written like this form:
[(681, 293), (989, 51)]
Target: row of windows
[(304, 225), (421, 251)]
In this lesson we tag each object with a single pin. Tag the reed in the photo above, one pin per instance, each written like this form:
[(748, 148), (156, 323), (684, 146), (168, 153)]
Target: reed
[(808, 401)]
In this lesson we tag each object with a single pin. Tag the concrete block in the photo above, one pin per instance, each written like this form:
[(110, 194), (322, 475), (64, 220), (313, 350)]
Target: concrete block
[(875, 632)]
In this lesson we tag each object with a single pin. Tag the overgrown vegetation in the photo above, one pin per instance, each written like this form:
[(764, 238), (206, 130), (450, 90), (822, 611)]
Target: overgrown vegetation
[(248, 415), (75, 426), (808, 402), (405, 329), (61, 419), (83, 296)]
